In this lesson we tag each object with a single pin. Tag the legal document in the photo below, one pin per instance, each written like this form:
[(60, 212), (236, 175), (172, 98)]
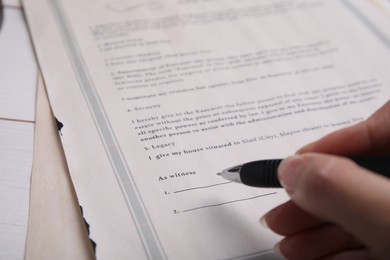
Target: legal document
[(153, 98)]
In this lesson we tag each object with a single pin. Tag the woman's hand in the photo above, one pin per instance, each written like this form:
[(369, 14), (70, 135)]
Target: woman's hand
[(338, 210)]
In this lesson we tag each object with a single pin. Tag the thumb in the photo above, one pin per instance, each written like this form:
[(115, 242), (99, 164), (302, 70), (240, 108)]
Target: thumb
[(337, 190)]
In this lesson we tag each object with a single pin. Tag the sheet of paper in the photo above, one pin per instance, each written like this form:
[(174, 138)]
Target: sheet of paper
[(56, 229), (16, 149), (18, 69), (378, 13), (383, 3), (156, 97)]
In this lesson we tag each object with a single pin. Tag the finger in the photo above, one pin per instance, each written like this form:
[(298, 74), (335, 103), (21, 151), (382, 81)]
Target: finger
[(288, 219), (371, 136), (337, 190), (358, 254), (317, 243)]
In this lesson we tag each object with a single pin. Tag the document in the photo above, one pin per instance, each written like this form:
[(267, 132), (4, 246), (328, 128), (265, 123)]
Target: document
[(153, 98)]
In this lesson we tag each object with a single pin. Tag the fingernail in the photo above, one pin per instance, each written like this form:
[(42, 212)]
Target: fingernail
[(289, 170), (263, 221), (305, 149)]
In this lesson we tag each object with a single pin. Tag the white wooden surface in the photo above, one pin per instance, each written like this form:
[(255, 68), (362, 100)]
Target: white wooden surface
[(18, 69), (16, 150), (18, 80)]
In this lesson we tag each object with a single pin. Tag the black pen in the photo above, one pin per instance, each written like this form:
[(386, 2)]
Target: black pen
[(264, 173)]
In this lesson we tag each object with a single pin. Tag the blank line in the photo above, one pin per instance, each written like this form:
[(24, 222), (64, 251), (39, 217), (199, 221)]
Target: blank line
[(203, 187), (228, 202)]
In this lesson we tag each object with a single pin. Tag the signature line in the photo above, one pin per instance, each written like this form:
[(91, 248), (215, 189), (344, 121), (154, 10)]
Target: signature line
[(229, 202)]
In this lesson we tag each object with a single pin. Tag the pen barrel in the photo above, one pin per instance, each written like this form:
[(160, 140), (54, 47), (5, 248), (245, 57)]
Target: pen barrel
[(261, 174), (379, 165), (265, 173)]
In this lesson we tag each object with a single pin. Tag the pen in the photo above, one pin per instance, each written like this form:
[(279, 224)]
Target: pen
[(264, 173)]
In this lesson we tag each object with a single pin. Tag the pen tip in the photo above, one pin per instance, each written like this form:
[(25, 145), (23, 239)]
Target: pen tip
[(219, 173)]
